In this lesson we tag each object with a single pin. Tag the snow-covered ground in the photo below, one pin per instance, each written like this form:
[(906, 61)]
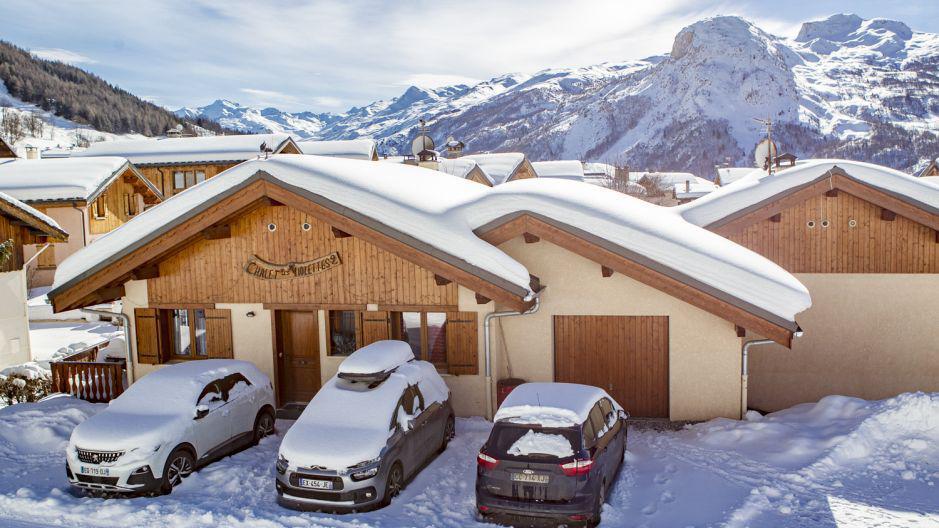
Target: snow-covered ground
[(841, 462), (46, 339)]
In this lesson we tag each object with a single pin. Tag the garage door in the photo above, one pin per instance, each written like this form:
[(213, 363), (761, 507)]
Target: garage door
[(626, 355)]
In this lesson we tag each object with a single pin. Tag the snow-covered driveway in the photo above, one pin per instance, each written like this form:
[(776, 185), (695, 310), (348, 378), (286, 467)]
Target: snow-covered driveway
[(843, 462)]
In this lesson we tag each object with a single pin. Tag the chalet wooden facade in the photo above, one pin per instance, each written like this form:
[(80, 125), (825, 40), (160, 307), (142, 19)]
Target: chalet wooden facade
[(865, 241), (292, 266), (6, 151), (87, 197), (20, 225)]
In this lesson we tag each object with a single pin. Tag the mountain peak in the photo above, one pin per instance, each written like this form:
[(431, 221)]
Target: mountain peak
[(716, 33), (835, 28)]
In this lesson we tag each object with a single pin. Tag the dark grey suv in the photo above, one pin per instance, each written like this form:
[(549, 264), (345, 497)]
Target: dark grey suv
[(553, 453)]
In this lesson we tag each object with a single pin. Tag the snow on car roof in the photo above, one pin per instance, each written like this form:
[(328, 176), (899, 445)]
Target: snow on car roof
[(380, 356), (650, 233), (567, 169), (351, 422), (498, 167), (60, 178), (360, 149), (176, 387), (550, 404), (201, 149), (409, 199), (758, 186)]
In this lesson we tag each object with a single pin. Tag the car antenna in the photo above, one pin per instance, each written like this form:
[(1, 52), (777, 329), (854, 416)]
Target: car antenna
[(538, 395)]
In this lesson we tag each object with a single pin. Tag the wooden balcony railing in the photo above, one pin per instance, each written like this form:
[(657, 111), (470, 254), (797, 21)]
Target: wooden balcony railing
[(90, 381)]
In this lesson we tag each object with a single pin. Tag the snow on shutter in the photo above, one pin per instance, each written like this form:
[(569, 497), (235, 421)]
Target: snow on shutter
[(374, 327), (462, 347), (147, 328), (218, 342)]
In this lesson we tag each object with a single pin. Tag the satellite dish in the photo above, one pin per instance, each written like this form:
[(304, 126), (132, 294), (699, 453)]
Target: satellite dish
[(421, 143), (179, 127), (766, 150)]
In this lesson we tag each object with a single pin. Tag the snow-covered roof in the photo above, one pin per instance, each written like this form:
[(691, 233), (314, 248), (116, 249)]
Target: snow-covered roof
[(933, 180), (61, 179), (405, 200), (693, 190), (758, 187), (498, 167), (666, 179), (566, 169), (731, 174), (651, 235), (358, 418), (201, 149), (60, 152), (599, 169), (360, 149), (550, 404), (17, 209), (459, 167)]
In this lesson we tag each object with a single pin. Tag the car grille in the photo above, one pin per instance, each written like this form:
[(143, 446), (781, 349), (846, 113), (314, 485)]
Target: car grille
[(89, 479), (98, 457)]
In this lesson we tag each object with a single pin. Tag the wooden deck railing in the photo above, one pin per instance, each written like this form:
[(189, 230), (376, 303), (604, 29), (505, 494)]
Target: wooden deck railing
[(91, 381), (87, 354)]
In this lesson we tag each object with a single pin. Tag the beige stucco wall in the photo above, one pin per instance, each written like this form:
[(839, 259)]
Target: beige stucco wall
[(866, 335), (73, 222), (704, 350), (14, 322)]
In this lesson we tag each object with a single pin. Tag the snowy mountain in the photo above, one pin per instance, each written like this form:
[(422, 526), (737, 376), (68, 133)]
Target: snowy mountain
[(867, 89)]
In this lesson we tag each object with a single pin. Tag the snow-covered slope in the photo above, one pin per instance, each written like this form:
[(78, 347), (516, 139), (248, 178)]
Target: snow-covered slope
[(844, 87), (251, 120)]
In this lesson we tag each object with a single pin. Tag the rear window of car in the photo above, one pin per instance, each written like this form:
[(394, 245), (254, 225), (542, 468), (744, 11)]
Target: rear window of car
[(505, 436)]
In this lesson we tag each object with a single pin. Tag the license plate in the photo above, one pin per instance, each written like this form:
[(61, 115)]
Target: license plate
[(98, 472), (533, 478), (316, 484)]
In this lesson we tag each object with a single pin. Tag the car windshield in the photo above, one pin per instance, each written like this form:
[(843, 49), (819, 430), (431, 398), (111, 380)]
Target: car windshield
[(531, 442)]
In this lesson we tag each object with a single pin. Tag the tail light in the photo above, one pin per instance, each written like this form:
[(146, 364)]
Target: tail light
[(485, 461), (577, 467)]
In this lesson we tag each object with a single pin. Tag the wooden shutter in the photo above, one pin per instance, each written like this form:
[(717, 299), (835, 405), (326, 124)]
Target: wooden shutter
[(218, 342), (147, 328), (46, 259), (462, 343), (374, 327)]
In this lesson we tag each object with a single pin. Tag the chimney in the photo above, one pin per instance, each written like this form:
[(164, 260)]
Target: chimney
[(687, 186), (32, 153)]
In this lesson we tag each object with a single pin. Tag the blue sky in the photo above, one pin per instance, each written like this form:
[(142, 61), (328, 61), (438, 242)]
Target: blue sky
[(328, 56)]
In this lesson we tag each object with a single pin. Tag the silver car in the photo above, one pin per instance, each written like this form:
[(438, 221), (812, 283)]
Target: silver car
[(370, 429)]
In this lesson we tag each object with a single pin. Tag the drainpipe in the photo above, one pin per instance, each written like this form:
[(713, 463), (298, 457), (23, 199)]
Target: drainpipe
[(81, 212), (127, 337), (488, 349), (745, 368)]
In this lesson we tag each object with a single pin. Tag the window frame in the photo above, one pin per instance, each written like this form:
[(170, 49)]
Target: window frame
[(172, 355), (356, 331), (424, 355), (99, 208)]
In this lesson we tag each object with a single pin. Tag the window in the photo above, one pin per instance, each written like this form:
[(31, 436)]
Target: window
[(130, 204), (183, 180), (596, 419), (188, 334), (341, 332), (200, 176), (179, 180), (426, 332), (99, 208)]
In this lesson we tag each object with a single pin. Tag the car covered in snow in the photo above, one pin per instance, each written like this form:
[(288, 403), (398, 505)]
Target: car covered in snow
[(552, 455), (168, 424), (367, 431)]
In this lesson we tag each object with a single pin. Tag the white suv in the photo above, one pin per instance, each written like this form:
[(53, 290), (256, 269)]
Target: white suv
[(169, 423)]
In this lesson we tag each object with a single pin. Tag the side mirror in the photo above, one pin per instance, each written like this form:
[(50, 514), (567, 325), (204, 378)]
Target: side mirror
[(201, 412), (623, 414)]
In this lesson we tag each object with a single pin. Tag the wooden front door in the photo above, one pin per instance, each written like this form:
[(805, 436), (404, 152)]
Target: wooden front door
[(625, 355), (298, 356)]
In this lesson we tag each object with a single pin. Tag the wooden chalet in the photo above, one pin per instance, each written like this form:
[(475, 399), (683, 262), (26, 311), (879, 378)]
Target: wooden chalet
[(294, 262), (6, 150), (20, 225), (174, 164), (864, 240), (930, 171), (498, 168), (88, 197)]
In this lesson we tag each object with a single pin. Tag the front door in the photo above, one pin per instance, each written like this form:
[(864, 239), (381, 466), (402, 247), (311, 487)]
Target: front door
[(298, 355)]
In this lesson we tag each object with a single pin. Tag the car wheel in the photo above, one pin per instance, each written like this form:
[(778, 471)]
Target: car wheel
[(449, 431), (394, 483), (263, 425), (179, 465)]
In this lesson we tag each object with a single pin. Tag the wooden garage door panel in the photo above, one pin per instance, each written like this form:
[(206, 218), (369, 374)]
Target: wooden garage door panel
[(625, 355)]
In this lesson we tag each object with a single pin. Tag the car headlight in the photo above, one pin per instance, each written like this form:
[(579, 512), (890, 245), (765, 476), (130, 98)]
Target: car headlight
[(281, 464), (366, 469)]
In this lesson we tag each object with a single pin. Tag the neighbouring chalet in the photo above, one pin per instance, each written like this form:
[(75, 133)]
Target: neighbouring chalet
[(930, 171), (20, 225), (175, 164), (295, 261), (88, 197), (6, 151), (572, 170), (360, 149), (863, 239), (501, 167), (462, 168)]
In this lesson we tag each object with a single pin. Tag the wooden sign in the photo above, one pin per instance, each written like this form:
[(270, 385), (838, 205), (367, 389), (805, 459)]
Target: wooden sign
[(263, 269)]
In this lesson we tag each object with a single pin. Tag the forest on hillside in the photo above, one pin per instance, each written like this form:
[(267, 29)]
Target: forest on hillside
[(85, 98)]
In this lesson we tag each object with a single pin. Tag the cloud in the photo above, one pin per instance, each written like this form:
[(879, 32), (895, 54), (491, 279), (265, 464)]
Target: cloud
[(62, 55)]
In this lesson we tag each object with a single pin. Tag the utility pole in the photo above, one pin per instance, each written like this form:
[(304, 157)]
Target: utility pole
[(768, 123)]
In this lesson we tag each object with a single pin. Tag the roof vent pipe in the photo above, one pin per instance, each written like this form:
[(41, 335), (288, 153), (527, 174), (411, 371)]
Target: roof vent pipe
[(488, 348)]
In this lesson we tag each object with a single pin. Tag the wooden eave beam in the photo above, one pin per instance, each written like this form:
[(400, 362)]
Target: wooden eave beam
[(606, 272), (741, 331), (776, 218), (150, 271), (887, 215), (441, 281), (530, 238), (217, 232), (482, 299), (339, 233)]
